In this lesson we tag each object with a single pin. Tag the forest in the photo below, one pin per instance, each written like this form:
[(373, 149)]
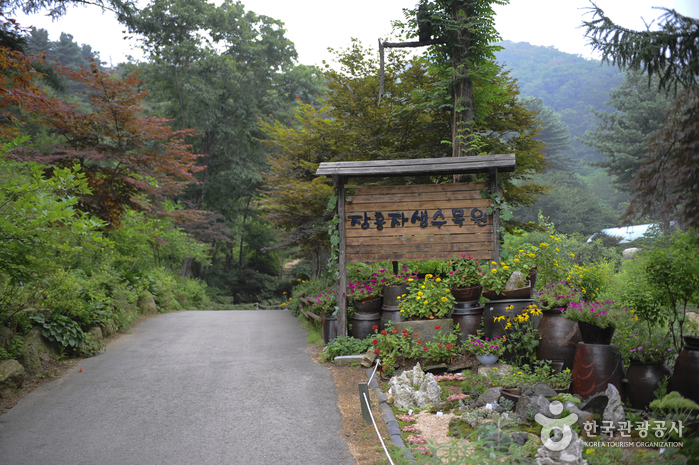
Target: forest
[(190, 175)]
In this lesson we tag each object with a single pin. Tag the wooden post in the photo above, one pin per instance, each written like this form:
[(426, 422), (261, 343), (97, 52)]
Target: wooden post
[(342, 260), (493, 181), (395, 267)]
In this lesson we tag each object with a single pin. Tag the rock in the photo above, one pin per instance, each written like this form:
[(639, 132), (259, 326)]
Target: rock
[(614, 411), (520, 438), (108, 330), (146, 304), (630, 253), (491, 396), (40, 343), (349, 359), (436, 369), (516, 281), (414, 389), (583, 416), (6, 335), (368, 359), (542, 389), (402, 395), (499, 368), (95, 333), (571, 455), (535, 403), (595, 404), (30, 360), (11, 377)]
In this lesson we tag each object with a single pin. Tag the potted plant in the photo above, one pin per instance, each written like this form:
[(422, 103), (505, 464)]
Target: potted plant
[(597, 320), (325, 304), (645, 352), (464, 278), (394, 286), (366, 295), (558, 336), (495, 279), (487, 350), (427, 298)]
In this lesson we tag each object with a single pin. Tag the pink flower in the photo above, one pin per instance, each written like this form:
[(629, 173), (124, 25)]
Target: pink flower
[(376, 351)]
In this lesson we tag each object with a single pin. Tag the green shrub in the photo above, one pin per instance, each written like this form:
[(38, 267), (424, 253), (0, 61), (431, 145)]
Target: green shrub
[(345, 345)]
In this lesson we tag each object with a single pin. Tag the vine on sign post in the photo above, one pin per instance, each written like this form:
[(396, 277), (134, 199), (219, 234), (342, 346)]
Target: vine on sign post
[(500, 205)]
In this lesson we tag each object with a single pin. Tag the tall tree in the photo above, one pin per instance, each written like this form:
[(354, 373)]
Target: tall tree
[(667, 181), (622, 136)]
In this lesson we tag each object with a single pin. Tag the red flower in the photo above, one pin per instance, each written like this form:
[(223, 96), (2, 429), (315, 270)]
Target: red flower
[(384, 332), (419, 341), (440, 346), (395, 330), (415, 335), (375, 341), (376, 351), (449, 346), (375, 327), (437, 327), (425, 349)]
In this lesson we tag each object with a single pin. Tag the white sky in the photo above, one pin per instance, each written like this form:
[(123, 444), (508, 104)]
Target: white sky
[(315, 25)]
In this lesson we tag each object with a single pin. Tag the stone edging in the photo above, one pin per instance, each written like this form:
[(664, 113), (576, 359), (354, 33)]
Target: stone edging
[(389, 417)]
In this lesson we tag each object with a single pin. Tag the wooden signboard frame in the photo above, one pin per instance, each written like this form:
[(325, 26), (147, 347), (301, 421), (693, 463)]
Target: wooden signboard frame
[(412, 240)]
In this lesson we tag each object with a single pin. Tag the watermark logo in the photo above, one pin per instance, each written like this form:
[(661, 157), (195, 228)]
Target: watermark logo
[(563, 431)]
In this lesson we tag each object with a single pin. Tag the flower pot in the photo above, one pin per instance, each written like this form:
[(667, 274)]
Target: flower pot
[(559, 338), (329, 328), (595, 366), (467, 294), (362, 324), (691, 342), (497, 308), (593, 334), (468, 319), (685, 379), (521, 293), (642, 381), (487, 360), (368, 306), (532, 277), (391, 294), (390, 315)]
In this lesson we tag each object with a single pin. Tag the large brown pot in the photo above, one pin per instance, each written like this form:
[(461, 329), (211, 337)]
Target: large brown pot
[(593, 334), (469, 320), (595, 366), (362, 324), (329, 328), (392, 316), (467, 294), (685, 379), (369, 306), (642, 381), (559, 338), (391, 294)]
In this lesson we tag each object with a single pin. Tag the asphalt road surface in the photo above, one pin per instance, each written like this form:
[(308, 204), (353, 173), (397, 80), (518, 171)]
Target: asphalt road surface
[(196, 387)]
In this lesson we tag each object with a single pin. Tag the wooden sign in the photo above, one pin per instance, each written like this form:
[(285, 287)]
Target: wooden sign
[(423, 222)]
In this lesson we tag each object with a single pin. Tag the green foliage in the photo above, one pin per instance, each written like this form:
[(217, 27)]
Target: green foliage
[(675, 403), (61, 329), (602, 314), (305, 288), (14, 351), (522, 336), (426, 298), (345, 345), (566, 397), (642, 343), (176, 293)]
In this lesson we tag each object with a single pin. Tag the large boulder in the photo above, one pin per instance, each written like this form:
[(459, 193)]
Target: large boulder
[(146, 303), (614, 411), (30, 360), (571, 455), (11, 377), (95, 333), (6, 335), (40, 343)]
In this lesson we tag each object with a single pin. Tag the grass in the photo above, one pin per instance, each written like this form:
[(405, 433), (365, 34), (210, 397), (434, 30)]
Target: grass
[(315, 336)]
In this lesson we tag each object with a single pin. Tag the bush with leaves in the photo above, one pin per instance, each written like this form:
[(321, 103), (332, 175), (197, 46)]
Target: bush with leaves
[(345, 345)]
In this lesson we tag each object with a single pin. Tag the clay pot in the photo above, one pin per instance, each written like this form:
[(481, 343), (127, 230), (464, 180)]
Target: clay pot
[(497, 308), (521, 293), (593, 334), (559, 338), (595, 366), (391, 294), (487, 360), (329, 328), (685, 379), (393, 316), (368, 306), (467, 294), (362, 324), (641, 382), (469, 320)]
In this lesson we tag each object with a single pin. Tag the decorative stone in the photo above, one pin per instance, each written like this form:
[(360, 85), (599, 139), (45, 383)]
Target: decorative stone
[(516, 281), (368, 358), (6, 335), (614, 411), (349, 359), (520, 438), (11, 377), (583, 416), (40, 343), (542, 389), (491, 396), (536, 403), (414, 389), (571, 455), (146, 303), (95, 333), (499, 368), (30, 360), (595, 404)]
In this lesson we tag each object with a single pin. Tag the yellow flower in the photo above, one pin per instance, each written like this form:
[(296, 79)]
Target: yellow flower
[(494, 263), (398, 297), (493, 270), (495, 368), (521, 251), (557, 249), (572, 255), (418, 298), (589, 451), (447, 290), (502, 264), (509, 307), (401, 310), (543, 245), (410, 279), (439, 280), (284, 292), (531, 255), (519, 372), (444, 299), (555, 239), (298, 279), (283, 304), (516, 260), (425, 302), (508, 325), (420, 293), (505, 267), (428, 276), (422, 287)]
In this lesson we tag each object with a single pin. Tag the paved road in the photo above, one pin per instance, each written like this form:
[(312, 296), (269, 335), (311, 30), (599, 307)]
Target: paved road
[(201, 387)]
